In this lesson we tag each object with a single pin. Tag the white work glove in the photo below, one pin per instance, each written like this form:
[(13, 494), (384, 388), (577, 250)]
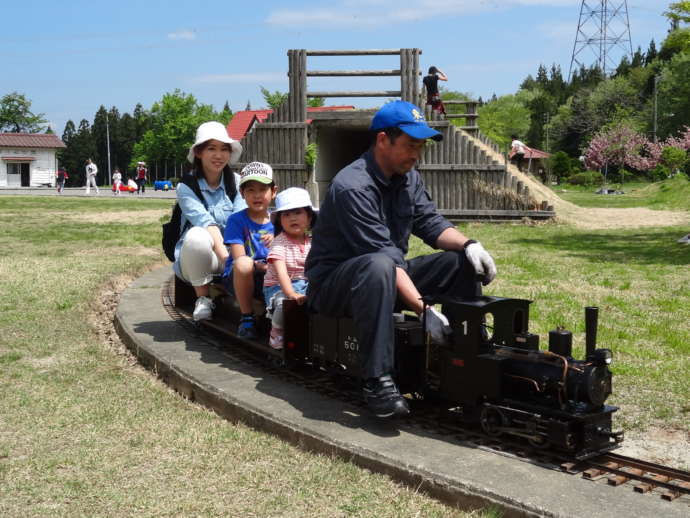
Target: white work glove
[(436, 325), (482, 262)]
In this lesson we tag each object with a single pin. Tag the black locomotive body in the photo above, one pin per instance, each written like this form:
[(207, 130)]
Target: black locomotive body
[(490, 373)]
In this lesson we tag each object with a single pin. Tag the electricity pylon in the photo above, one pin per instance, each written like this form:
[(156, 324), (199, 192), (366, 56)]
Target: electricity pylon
[(604, 29)]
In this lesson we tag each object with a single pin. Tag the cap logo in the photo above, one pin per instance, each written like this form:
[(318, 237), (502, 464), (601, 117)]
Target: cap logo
[(418, 116)]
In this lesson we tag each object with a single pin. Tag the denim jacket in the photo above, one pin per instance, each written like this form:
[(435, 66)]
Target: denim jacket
[(220, 207)]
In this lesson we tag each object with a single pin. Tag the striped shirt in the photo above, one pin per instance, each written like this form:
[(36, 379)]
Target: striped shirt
[(293, 253)]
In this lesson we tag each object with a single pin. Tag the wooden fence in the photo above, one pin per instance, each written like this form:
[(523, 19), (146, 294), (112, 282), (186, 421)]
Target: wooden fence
[(462, 180)]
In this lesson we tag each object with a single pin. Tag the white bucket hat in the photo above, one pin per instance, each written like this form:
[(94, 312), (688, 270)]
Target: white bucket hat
[(215, 131), (293, 198)]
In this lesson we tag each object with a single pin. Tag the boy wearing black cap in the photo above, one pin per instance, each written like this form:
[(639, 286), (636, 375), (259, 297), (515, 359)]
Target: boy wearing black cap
[(357, 264)]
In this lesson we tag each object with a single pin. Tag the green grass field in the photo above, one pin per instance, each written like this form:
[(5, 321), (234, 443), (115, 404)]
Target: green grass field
[(85, 432), (672, 194)]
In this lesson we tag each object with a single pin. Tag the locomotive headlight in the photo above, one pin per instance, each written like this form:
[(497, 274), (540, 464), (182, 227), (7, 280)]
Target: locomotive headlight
[(602, 357)]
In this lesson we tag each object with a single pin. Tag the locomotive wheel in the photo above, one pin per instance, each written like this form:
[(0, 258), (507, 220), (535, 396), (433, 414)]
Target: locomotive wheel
[(539, 441), (491, 420)]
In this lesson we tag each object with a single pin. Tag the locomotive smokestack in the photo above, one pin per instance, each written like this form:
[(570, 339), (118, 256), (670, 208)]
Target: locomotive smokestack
[(591, 320)]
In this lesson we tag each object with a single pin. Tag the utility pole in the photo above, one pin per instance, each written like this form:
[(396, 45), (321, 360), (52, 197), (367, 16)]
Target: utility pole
[(547, 119), (603, 27), (107, 138), (656, 83)]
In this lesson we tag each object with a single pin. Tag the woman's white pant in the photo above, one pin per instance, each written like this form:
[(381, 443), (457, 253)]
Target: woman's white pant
[(198, 262)]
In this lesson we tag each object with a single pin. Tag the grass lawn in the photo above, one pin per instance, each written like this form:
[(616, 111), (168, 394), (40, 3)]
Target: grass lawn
[(85, 432), (672, 194)]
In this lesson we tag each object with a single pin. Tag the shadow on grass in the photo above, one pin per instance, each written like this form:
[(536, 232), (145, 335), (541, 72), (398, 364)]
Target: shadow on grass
[(641, 247)]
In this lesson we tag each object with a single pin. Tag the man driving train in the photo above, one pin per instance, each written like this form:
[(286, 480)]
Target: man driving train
[(357, 264)]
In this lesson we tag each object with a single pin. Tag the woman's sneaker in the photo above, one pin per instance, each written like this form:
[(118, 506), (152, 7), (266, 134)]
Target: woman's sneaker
[(247, 327), (203, 309)]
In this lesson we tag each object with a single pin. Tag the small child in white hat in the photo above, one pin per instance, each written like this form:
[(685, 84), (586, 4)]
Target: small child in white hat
[(292, 220)]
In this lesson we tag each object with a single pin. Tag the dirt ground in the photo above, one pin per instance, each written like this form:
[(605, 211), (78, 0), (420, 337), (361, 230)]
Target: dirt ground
[(602, 219)]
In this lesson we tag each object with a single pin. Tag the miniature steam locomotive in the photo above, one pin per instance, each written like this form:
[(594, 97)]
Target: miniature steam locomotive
[(491, 371)]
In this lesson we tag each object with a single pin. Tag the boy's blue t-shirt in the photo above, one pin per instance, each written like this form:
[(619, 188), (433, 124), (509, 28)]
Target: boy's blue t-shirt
[(241, 230)]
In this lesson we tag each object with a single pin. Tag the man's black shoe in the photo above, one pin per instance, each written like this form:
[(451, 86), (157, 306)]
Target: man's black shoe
[(383, 399)]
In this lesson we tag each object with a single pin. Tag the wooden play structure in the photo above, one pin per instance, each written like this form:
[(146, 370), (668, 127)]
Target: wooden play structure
[(466, 174)]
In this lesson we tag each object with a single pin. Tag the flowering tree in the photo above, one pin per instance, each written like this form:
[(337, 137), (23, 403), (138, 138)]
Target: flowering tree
[(623, 147)]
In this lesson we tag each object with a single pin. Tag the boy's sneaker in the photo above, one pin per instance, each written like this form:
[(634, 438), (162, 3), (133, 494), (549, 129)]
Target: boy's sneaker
[(685, 240), (247, 327), (203, 309)]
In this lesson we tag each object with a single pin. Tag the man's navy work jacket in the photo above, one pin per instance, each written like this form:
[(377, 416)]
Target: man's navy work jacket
[(365, 212)]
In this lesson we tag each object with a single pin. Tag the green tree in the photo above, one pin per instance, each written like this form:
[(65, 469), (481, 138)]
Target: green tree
[(676, 42), (674, 95), (100, 140), (173, 123), (560, 165), (316, 102), (506, 116), (273, 99), (80, 146), (16, 115), (678, 12), (65, 156)]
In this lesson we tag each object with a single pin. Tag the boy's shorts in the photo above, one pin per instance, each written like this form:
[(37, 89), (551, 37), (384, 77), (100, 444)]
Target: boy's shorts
[(258, 284)]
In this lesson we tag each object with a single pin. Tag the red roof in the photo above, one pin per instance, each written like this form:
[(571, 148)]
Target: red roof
[(45, 140), (242, 121)]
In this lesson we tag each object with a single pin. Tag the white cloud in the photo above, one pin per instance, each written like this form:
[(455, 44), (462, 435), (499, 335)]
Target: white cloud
[(184, 34), (267, 77), (370, 13)]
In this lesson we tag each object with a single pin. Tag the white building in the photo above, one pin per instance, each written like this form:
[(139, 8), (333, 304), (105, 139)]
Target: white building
[(28, 159)]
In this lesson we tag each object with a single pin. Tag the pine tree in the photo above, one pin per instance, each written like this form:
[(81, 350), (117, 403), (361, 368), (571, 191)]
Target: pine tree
[(650, 54)]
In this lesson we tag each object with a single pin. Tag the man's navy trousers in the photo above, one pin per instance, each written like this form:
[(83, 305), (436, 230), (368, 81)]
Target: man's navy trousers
[(364, 288)]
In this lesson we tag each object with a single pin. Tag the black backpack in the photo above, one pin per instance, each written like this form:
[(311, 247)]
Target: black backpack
[(171, 229)]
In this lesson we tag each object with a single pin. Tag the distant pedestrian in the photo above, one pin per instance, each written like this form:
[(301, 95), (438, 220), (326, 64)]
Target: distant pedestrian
[(61, 175), (91, 172), (141, 177), (433, 96), (518, 150), (117, 181)]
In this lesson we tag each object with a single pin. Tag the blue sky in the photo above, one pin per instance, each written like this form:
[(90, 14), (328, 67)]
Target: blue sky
[(70, 57)]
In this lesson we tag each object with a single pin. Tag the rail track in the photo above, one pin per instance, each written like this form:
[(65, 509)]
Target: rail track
[(668, 483)]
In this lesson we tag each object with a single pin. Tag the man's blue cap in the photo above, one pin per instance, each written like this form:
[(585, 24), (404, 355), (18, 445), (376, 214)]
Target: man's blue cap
[(407, 117)]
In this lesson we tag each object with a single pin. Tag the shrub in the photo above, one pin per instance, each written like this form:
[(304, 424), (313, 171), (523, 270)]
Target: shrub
[(674, 158), (587, 178), (561, 165), (659, 173), (174, 180), (310, 154)]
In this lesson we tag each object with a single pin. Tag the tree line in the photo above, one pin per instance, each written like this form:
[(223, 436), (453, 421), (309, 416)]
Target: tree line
[(645, 101)]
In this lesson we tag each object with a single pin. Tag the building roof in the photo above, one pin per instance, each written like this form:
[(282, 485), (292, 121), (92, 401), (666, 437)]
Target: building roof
[(243, 121), (45, 140)]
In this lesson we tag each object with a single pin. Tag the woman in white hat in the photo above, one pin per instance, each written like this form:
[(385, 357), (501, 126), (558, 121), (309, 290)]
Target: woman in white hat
[(200, 252)]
